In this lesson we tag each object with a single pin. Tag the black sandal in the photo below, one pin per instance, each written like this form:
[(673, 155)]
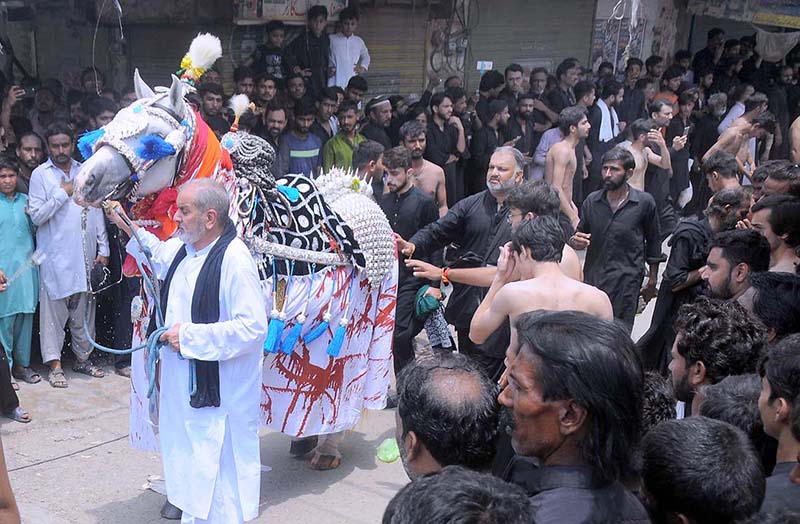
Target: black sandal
[(28, 375)]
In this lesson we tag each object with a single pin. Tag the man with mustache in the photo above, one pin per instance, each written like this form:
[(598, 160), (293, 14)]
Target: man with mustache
[(427, 176)]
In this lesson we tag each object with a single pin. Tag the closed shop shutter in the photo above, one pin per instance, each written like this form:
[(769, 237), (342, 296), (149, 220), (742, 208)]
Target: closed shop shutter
[(531, 33), (395, 38)]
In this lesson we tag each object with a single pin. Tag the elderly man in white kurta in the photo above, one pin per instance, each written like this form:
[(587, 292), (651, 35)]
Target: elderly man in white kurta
[(68, 249), (210, 453)]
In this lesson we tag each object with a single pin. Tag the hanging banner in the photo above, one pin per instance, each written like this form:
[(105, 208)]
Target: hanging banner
[(249, 12), (781, 13)]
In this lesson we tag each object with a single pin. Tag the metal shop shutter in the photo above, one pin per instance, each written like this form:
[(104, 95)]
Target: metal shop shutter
[(395, 38), (529, 32)]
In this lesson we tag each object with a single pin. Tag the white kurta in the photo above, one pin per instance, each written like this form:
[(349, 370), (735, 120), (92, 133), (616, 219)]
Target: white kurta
[(59, 232), (345, 54), (195, 450)]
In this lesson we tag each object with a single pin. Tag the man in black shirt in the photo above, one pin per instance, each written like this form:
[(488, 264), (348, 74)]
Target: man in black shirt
[(479, 224), (562, 96), (327, 101), (513, 86), (522, 125), (379, 113), (445, 142), (310, 51), (491, 84), (485, 141), (563, 369), (619, 226), (780, 395), (708, 57), (408, 211)]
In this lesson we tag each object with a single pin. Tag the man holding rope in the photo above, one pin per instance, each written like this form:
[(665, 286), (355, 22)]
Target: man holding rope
[(210, 372)]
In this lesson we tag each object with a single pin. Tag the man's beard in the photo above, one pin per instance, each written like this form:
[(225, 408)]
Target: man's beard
[(500, 185), (404, 460), (31, 163), (506, 423), (526, 116), (683, 391), (613, 186), (188, 238), (416, 154), (725, 292)]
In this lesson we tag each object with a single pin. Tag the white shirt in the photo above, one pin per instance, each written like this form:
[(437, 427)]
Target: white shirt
[(735, 112), (609, 121), (58, 217), (346, 52), (191, 438)]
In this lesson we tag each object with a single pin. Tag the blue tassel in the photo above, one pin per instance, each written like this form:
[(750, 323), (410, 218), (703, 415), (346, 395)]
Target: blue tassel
[(87, 141), (274, 331), (290, 192), (153, 147), (291, 339), (315, 333), (338, 339)]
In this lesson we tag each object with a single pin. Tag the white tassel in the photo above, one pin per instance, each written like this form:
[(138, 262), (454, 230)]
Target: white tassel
[(205, 50), (240, 104)]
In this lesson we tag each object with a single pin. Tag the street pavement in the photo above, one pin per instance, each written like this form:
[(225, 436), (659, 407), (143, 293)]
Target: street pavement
[(73, 464)]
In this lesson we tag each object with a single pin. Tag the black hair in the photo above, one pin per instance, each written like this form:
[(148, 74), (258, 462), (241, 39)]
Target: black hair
[(263, 77), (304, 107), (673, 71), (397, 157), (275, 25), (100, 105), (726, 204), (456, 495), (610, 88), (766, 169), (543, 235), (570, 116), (659, 401), (242, 72), (619, 154), (722, 163), (583, 88), (491, 80), (790, 174), (537, 197), (316, 11), (437, 99), (327, 94), (739, 91), (642, 83), (516, 68), (784, 217), (565, 66), (587, 360), (59, 127), (412, 128), (210, 87), (537, 70), (632, 62), (766, 121), (683, 54), (496, 107), (721, 335), (687, 97), (455, 94), (7, 162), (755, 100), (727, 63), (451, 405), (734, 400), (276, 105), (94, 71), (702, 468), (349, 13), (715, 32), (641, 126), (358, 82), (652, 60), (744, 247), (731, 42), (657, 105), (366, 152), (783, 516), (605, 65), (776, 301), (32, 133), (781, 368), (347, 105)]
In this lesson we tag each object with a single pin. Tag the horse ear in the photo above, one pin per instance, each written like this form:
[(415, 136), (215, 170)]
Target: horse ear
[(176, 95), (142, 89)]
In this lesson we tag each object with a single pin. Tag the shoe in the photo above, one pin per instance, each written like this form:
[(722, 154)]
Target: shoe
[(171, 512)]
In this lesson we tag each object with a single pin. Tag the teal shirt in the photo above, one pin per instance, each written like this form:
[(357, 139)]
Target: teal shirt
[(16, 248)]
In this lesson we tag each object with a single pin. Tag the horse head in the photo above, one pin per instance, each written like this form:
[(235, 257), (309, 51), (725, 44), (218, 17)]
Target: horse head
[(140, 150)]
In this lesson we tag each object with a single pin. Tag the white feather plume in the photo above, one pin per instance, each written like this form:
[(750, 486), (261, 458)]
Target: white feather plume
[(240, 104), (205, 50)]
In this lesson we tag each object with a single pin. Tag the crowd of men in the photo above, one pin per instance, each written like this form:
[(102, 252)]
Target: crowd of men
[(548, 411)]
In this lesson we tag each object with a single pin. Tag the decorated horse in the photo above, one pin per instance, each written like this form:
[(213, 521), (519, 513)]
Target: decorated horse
[(324, 251)]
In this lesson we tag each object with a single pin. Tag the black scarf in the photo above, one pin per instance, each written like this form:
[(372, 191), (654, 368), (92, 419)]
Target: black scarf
[(205, 310)]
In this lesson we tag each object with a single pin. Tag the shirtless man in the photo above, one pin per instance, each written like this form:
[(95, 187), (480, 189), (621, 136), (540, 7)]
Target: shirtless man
[(776, 217), (794, 134), (644, 132), (535, 250), (560, 163), (736, 140), (526, 201), (428, 177)]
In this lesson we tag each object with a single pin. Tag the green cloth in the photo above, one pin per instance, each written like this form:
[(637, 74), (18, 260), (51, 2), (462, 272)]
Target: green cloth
[(424, 304), (338, 151), (16, 249), (388, 451), (16, 332)]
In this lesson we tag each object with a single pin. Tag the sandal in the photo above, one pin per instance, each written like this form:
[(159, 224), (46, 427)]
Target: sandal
[(28, 375), (87, 368), (325, 462), (57, 379), (14, 384), (303, 446), (20, 415)]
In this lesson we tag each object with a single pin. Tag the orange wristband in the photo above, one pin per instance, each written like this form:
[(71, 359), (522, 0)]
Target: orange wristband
[(445, 279)]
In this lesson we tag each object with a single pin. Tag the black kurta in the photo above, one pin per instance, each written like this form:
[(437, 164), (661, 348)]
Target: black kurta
[(621, 243), (378, 134)]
